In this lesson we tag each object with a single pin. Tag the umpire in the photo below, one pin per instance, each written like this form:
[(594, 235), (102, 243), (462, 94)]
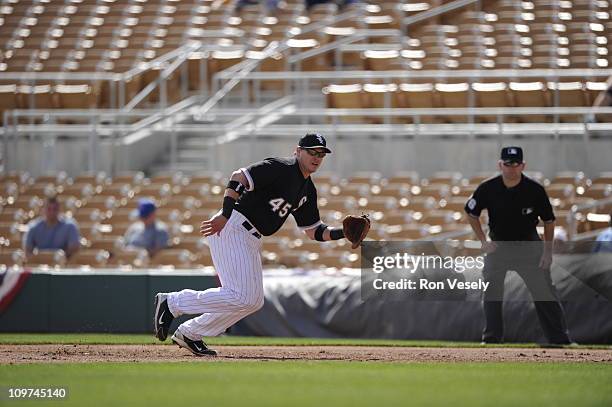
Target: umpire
[(515, 203)]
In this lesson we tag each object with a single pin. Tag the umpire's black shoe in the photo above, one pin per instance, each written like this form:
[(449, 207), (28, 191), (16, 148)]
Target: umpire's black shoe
[(198, 348), (563, 344), (163, 316)]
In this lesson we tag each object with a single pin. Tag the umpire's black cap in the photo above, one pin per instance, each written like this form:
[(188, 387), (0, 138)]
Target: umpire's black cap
[(314, 140), (512, 154)]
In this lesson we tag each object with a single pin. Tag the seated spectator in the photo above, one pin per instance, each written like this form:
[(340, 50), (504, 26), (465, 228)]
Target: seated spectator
[(52, 232), (604, 239), (147, 233)]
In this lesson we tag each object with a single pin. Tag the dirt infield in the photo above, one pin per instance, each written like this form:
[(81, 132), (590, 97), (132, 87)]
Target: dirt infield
[(11, 354)]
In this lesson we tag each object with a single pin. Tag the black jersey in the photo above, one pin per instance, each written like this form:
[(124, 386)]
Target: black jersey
[(513, 212), (278, 188)]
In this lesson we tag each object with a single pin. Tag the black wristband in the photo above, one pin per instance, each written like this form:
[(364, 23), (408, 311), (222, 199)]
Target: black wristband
[(228, 206), (319, 232), (336, 234), (236, 186)]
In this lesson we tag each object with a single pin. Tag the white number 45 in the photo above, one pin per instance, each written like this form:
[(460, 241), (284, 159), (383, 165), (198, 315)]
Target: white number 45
[(276, 205)]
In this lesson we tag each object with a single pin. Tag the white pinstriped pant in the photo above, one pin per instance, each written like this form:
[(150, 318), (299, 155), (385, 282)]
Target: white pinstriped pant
[(236, 257)]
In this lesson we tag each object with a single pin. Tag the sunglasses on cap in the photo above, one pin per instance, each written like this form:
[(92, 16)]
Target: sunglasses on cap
[(315, 153)]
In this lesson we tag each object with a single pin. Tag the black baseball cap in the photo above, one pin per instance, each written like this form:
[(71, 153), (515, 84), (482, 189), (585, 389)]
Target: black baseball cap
[(512, 154), (314, 140)]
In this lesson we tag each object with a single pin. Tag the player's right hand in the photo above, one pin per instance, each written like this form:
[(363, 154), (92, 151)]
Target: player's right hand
[(213, 225), (489, 247)]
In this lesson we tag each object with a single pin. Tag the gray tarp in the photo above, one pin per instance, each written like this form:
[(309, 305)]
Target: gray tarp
[(319, 304)]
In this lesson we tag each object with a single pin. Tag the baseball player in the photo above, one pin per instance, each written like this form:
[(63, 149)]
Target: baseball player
[(257, 201)]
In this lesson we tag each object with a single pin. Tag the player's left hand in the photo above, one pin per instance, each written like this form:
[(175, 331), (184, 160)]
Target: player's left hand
[(356, 229), (545, 260), (213, 225)]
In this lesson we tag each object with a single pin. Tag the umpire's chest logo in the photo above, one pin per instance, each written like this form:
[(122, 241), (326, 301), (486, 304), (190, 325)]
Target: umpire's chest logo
[(527, 211)]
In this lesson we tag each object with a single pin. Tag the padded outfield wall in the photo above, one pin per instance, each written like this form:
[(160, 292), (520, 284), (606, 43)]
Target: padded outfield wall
[(312, 303)]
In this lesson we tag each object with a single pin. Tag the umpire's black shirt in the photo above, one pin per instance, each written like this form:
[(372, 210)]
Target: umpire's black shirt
[(513, 212), (277, 188)]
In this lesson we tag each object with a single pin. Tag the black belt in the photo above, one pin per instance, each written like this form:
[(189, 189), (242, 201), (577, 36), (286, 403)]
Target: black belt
[(250, 227)]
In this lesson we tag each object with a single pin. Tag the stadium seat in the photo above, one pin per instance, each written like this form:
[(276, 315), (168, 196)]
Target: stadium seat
[(378, 96), (175, 258), (598, 191), (129, 258), (76, 96), (382, 60), (367, 177), (48, 258), (448, 177), (420, 203), (603, 178), (195, 244), (441, 217), (597, 221), (36, 97), (418, 96), (404, 232), (568, 94), (13, 215), (436, 191), (404, 177), (107, 243), (339, 260), (594, 89), (8, 99), (9, 258), (455, 203), (397, 191), (345, 97), (355, 189), (396, 218), (89, 257), (530, 94), (377, 203), (492, 95), (576, 178), (561, 191), (454, 95)]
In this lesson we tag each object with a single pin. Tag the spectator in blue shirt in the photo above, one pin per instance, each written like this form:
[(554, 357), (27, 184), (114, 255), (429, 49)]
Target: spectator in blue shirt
[(147, 233), (52, 232), (604, 240)]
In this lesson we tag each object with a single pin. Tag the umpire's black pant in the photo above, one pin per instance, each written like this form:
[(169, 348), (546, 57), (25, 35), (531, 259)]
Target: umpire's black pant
[(524, 258)]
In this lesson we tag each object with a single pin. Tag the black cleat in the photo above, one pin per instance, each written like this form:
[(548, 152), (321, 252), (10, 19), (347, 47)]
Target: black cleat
[(163, 317), (198, 348)]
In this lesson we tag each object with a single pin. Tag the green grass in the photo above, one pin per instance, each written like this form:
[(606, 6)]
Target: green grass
[(240, 340), (300, 383)]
